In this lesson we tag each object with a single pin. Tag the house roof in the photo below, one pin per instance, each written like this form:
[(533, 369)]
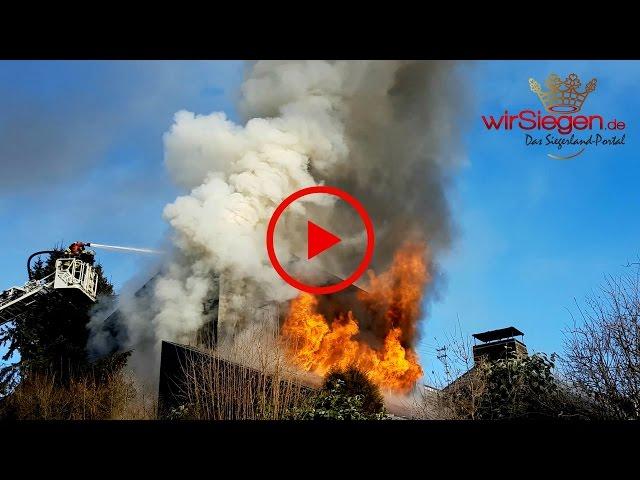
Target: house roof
[(498, 334)]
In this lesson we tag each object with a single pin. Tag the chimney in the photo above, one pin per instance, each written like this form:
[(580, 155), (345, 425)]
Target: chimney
[(497, 344)]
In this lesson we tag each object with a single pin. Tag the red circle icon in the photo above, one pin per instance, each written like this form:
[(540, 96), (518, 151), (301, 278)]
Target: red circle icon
[(321, 290)]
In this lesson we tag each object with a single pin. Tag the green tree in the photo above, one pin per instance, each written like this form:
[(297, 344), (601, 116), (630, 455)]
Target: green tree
[(356, 382), (517, 387), (345, 395), (525, 387), (53, 339)]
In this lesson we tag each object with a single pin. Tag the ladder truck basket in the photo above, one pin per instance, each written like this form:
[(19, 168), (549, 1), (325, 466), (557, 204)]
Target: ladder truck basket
[(74, 273), (16, 301)]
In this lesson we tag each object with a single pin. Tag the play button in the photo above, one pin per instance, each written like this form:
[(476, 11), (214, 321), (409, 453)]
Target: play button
[(319, 240)]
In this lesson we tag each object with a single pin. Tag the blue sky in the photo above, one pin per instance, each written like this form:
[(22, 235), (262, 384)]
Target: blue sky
[(537, 233), (534, 233)]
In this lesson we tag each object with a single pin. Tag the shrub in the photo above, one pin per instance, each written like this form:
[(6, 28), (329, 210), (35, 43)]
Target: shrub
[(345, 395)]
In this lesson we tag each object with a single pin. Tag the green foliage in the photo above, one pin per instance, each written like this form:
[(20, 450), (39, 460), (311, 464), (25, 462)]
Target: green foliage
[(345, 395), (519, 387), (181, 412), (54, 338), (356, 382)]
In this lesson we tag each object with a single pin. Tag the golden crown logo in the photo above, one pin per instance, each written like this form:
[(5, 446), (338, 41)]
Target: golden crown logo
[(563, 95)]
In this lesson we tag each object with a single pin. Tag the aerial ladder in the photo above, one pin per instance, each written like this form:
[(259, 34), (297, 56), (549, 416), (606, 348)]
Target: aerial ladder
[(73, 272)]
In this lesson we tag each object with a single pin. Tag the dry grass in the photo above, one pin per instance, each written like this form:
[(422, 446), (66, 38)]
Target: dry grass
[(40, 397), (248, 378)]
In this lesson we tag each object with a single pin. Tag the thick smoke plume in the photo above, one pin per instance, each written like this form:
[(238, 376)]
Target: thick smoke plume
[(385, 131)]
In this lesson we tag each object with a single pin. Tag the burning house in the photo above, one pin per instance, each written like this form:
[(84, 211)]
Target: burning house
[(372, 330), (387, 133)]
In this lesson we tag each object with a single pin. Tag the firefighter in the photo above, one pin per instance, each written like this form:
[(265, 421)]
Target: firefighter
[(78, 250), (75, 249)]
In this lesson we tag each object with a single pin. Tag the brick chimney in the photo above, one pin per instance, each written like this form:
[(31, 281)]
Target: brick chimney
[(497, 344)]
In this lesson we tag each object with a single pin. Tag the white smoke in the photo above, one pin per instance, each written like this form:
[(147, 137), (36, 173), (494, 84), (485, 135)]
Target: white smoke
[(384, 131)]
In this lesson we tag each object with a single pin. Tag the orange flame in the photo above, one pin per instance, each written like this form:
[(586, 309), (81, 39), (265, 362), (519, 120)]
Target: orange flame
[(393, 300)]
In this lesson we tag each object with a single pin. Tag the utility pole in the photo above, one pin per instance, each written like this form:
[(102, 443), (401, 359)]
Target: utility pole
[(442, 356)]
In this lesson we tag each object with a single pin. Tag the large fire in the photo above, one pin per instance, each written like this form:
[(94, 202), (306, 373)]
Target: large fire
[(393, 301)]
